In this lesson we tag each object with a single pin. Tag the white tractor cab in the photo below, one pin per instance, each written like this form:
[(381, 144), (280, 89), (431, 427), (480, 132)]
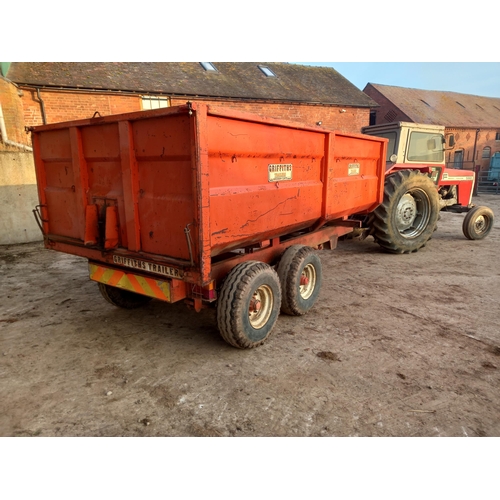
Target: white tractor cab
[(418, 186)]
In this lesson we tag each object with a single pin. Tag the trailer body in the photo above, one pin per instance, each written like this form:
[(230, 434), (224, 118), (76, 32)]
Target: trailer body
[(165, 203)]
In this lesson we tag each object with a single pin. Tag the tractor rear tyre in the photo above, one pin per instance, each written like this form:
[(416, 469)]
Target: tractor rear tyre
[(478, 223), (407, 217), (122, 298), (300, 274), (249, 304)]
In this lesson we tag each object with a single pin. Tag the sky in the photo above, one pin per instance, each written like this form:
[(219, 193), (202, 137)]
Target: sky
[(378, 42), (481, 78)]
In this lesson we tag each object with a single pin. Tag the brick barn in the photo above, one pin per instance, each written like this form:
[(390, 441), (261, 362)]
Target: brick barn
[(473, 121), (37, 93), (53, 92)]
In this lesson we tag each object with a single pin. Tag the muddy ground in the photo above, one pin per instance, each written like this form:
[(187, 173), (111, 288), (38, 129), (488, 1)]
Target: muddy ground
[(397, 345)]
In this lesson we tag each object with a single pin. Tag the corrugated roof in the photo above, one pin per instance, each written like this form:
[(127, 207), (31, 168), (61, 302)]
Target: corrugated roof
[(239, 80), (450, 109)]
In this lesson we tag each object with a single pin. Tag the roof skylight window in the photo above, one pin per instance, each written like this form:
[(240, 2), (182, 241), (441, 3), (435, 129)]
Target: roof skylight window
[(460, 104), (208, 66), (266, 71)]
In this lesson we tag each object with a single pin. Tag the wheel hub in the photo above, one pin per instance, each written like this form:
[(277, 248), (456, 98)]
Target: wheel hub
[(406, 212), (255, 305), (480, 224), (260, 306), (413, 213), (307, 281)]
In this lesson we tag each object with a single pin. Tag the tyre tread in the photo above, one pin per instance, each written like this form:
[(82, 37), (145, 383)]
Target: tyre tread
[(287, 269), (230, 303), (469, 220), (380, 222)]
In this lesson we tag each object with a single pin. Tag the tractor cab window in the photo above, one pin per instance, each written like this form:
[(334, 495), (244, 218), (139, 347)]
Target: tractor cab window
[(392, 145), (425, 146)]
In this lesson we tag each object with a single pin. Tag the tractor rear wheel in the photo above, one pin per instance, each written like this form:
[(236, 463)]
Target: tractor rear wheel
[(478, 223), (407, 217)]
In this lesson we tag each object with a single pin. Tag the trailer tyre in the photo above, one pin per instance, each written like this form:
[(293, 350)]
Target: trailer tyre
[(122, 298), (249, 304), (300, 275), (478, 223), (407, 217)]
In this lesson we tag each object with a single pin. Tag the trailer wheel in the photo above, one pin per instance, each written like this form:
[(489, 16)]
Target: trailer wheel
[(122, 298), (478, 223), (300, 275), (407, 217), (249, 304)]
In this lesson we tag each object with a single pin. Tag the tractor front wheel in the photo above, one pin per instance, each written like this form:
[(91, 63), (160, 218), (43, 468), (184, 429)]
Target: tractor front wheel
[(478, 223)]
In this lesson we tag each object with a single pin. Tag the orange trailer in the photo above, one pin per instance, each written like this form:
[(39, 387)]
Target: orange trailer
[(206, 205)]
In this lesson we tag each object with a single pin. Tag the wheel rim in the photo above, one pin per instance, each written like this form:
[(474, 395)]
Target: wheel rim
[(413, 213), (481, 224), (307, 281), (260, 307)]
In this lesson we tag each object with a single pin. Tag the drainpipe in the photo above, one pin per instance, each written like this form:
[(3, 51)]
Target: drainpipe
[(42, 106), (5, 139), (476, 168)]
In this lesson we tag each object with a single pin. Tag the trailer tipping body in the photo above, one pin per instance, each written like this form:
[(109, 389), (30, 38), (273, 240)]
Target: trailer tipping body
[(165, 203)]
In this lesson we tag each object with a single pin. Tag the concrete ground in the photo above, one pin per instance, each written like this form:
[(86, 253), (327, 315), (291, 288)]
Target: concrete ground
[(397, 345)]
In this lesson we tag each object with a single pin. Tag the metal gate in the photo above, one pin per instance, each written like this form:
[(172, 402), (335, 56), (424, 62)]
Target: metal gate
[(487, 185)]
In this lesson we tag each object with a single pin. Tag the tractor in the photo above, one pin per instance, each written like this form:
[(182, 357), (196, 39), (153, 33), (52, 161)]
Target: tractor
[(418, 186)]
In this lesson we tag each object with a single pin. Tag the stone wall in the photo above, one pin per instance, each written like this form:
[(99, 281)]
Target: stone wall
[(18, 192), (18, 197)]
